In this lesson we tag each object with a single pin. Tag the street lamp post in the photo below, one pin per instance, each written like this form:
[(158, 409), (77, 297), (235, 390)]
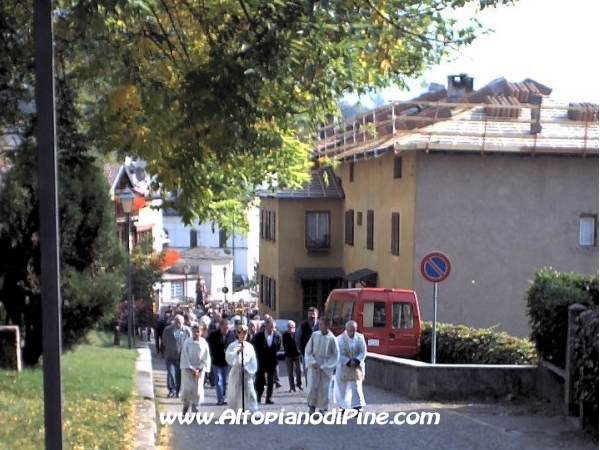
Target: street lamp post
[(225, 290), (186, 272), (126, 199)]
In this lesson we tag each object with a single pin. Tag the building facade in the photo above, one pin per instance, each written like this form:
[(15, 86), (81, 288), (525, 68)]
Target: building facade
[(502, 180), (243, 248), (146, 219)]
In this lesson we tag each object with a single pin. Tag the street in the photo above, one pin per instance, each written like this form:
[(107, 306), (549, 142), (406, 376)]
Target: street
[(503, 426)]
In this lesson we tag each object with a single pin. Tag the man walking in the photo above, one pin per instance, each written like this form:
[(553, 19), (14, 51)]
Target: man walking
[(218, 341), (173, 337), (307, 328), (321, 358), (266, 343), (292, 356), (195, 362)]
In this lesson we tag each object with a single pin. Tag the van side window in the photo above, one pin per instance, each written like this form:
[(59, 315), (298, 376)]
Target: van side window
[(341, 312), (347, 310), (334, 312), (374, 314), (402, 316)]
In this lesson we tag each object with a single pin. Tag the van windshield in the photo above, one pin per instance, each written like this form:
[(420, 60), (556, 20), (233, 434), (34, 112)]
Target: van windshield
[(374, 314)]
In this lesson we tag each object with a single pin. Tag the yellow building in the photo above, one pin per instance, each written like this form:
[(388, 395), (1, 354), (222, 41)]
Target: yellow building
[(503, 180), (301, 246)]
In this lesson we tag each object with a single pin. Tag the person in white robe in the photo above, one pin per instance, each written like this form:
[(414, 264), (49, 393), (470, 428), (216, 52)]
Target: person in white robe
[(195, 363), (321, 358), (350, 371), (240, 355)]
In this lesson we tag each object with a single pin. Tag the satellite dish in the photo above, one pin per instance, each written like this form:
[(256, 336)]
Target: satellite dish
[(225, 290)]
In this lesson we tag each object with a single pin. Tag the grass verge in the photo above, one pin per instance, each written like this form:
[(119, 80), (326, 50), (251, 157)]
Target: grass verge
[(97, 380)]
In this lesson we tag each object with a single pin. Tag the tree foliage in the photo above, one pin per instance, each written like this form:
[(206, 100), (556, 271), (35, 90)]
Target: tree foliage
[(91, 258), (218, 96)]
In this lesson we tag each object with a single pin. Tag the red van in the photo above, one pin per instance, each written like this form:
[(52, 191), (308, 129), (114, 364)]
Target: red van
[(389, 318)]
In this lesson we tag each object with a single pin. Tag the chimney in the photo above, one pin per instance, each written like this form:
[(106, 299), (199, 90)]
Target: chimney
[(535, 100), (459, 86)]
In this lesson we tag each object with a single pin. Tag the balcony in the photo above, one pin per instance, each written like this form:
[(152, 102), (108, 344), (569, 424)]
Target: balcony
[(319, 245)]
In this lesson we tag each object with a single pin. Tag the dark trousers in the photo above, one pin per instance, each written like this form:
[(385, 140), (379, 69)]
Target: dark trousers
[(157, 341), (259, 381), (293, 367)]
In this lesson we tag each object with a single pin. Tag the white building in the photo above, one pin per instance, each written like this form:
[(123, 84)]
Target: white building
[(243, 249)]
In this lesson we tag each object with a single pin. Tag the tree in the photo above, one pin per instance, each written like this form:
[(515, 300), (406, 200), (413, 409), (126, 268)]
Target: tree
[(219, 96), (146, 271), (91, 257)]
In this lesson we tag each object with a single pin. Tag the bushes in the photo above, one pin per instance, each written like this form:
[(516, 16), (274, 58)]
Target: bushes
[(458, 344), (548, 300), (585, 360)]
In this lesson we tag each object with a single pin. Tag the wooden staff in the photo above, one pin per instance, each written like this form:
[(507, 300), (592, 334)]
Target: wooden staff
[(242, 337)]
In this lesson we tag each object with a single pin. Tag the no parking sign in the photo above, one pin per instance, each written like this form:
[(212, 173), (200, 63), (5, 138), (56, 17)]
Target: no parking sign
[(435, 268)]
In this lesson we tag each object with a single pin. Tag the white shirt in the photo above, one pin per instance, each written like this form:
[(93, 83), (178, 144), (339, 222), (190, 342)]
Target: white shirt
[(269, 338)]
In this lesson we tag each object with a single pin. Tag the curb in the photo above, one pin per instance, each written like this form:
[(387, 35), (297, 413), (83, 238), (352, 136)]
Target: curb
[(144, 435)]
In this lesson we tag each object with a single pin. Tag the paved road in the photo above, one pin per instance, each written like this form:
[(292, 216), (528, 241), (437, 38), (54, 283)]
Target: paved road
[(461, 426)]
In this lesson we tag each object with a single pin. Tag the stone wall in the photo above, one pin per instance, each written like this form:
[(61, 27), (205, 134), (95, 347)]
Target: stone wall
[(10, 348), (422, 381)]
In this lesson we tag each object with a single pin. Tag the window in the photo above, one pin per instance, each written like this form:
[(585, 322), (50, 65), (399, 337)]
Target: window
[(587, 230), (310, 294), (350, 227), (402, 316), (317, 230), (222, 238), (176, 289), (272, 226), (395, 247), (315, 293), (370, 223), (374, 314), (351, 174), (359, 218), (273, 296), (267, 292), (267, 225), (341, 312), (334, 312), (193, 238), (347, 309), (397, 167)]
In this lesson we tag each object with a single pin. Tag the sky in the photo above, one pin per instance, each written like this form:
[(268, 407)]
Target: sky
[(554, 42)]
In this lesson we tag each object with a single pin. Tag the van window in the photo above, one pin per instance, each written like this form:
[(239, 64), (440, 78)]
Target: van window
[(341, 312), (374, 314), (347, 310), (402, 316), (334, 312)]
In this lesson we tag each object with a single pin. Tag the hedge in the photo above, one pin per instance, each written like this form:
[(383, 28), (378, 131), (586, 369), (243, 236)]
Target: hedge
[(459, 344), (585, 352), (548, 300)]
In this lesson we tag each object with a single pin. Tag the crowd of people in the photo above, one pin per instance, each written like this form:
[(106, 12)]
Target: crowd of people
[(238, 356)]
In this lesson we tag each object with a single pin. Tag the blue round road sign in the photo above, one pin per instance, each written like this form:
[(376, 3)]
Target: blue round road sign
[(435, 267)]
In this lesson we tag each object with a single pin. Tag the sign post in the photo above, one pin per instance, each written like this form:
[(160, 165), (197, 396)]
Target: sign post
[(435, 268)]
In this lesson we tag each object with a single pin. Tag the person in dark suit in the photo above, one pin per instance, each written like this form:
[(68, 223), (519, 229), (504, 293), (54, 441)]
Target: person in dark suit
[(266, 344), (303, 334)]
